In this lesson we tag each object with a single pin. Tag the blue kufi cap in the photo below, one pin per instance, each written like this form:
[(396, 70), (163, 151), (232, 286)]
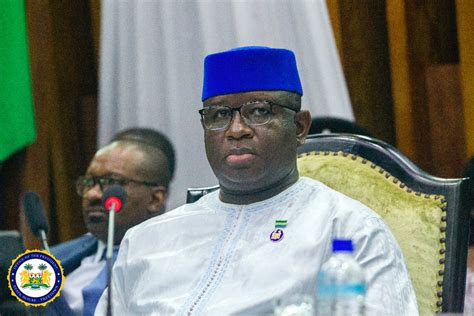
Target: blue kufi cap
[(250, 68)]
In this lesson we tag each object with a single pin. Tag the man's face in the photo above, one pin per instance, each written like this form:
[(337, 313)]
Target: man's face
[(248, 158), (119, 161)]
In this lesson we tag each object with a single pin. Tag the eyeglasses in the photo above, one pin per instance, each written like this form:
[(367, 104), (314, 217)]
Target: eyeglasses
[(218, 117), (85, 183)]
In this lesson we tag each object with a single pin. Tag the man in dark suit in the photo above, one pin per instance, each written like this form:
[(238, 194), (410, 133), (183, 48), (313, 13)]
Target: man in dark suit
[(142, 162)]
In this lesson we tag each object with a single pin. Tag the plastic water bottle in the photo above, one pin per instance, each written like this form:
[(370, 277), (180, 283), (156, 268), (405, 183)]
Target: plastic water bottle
[(340, 288)]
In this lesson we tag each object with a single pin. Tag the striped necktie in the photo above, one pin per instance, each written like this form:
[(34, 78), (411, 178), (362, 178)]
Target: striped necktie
[(92, 293)]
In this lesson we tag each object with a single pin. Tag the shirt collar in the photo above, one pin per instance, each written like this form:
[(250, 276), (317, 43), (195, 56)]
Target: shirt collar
[(100, 251)]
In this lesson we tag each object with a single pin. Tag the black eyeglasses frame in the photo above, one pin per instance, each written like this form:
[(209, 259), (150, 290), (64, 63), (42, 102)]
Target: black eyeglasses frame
[(238, 109), (104, 181)]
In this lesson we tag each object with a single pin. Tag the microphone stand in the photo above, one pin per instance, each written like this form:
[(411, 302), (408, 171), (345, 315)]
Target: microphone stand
[(44, 241), (108, 256), (113, 199)]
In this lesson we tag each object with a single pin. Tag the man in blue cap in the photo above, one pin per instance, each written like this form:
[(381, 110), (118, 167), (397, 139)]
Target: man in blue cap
[(266, 232)]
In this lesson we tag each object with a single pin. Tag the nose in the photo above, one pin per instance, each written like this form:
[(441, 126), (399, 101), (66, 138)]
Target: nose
[(93, 193), (238, 128)]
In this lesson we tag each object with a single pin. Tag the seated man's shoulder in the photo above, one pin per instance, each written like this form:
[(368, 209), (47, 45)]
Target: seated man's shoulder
[(83, 241), (71, 252), (318, 189), (340, 203), (180, 214)]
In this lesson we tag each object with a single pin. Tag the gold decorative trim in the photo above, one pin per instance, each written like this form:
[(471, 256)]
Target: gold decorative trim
[(442, 259)]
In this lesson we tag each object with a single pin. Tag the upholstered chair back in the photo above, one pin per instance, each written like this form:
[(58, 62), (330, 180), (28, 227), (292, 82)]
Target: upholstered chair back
[(427, 215)]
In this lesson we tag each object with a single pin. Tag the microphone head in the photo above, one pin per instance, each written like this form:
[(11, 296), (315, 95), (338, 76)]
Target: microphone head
[(34, 212), (114, 195)]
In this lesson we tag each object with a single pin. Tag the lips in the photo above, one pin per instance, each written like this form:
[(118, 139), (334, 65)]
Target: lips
[(240, 155), (96, 214)]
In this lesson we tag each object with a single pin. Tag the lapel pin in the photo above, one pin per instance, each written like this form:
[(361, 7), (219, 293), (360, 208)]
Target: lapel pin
[(277, 234)]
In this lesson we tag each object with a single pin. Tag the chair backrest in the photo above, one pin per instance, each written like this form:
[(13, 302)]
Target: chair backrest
[(328, 124), (195, 194), (427, 215), (11, 245)]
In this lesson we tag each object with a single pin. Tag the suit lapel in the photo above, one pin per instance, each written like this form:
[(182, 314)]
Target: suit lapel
[(72, 252)]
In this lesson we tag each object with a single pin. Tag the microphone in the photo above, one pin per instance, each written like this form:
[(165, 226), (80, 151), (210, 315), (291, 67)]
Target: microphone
[(34, 212), (113, 200)]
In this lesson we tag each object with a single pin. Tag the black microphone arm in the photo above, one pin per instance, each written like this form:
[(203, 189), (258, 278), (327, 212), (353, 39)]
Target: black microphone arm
[(113, 200), (35, 214)]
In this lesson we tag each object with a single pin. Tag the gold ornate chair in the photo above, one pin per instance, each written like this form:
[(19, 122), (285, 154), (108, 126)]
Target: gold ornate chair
[(427, 215)]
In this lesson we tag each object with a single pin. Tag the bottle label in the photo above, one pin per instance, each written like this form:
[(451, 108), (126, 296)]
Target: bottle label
[(331, 290), (340, 299), (351, 289)]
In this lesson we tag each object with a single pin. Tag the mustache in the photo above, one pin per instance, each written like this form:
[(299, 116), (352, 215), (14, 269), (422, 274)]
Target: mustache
[(94, 204)]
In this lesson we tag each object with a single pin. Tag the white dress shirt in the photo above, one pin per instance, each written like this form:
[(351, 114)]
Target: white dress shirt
[(78, 279), (213, 258)]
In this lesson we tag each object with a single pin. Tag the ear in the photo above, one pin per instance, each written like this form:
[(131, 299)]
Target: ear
[(159, 195), (303, 123)]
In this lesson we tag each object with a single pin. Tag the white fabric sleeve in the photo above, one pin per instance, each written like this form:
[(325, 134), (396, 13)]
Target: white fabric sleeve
[(389, 288)]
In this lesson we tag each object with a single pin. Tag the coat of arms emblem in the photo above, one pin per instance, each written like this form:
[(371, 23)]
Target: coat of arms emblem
[(35, 277)]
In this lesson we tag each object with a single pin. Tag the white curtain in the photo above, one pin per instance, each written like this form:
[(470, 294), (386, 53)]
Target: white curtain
[(151, 66)]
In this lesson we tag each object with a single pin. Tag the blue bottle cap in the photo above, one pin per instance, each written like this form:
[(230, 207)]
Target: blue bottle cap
[(342, 245)]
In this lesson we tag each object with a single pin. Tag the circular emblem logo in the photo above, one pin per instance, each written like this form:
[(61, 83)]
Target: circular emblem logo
[(276, 235), (35, 277)]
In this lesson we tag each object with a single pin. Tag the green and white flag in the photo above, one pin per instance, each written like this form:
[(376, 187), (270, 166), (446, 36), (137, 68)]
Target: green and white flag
[(17, 126)]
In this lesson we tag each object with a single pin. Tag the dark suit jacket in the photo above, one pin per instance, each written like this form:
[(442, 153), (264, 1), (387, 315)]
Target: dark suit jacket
[(70, 253)]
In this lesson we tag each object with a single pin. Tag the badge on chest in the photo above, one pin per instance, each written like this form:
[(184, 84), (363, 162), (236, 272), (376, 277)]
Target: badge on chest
[(277, 234)]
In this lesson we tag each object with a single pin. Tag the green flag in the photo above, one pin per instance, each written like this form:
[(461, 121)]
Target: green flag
[(17, 126)]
